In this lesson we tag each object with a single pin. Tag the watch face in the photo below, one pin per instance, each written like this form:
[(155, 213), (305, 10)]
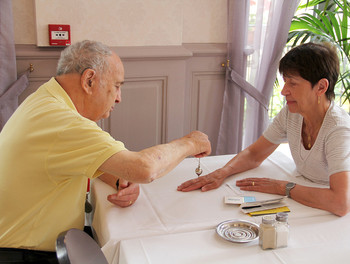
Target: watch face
[(290, 185)]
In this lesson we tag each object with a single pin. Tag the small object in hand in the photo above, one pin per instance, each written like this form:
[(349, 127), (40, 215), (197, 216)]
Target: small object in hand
[(198, 169), (117, 185)]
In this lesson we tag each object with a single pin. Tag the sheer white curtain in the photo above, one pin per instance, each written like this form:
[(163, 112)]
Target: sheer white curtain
[(257, 43)]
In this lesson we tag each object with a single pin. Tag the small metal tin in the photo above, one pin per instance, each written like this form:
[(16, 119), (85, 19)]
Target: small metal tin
[(238, 231)]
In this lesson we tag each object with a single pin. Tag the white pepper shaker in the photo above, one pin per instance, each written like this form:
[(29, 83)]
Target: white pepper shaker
[(282, 229)]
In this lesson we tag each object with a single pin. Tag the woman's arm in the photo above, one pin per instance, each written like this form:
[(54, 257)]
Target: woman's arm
[(335, 199)]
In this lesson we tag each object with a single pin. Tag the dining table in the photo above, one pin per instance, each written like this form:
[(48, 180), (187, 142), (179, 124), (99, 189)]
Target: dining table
[(169, 226)]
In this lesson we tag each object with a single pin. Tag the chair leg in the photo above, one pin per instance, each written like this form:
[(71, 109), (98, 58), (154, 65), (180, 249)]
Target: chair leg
[(88, 230)]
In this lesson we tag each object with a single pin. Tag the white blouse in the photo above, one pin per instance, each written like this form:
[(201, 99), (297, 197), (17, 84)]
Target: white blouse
[(329, 154)]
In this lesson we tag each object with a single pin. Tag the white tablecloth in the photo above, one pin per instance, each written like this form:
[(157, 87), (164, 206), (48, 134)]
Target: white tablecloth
[(323, 239), (167, 226)]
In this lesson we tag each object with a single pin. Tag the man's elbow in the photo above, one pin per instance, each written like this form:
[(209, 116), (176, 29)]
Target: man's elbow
[(147, 177)]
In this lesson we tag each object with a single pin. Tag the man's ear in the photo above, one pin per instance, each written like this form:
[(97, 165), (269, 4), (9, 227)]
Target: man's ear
[(87, 80), (323, 85)]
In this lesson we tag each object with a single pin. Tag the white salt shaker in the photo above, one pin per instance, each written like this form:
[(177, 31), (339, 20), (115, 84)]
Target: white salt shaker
[(282, 230)]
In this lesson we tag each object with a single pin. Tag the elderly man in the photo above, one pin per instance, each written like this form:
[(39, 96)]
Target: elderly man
[(52, 145)]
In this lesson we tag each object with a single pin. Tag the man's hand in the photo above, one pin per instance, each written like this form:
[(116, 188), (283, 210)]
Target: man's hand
[(126, 195), (201, 143)]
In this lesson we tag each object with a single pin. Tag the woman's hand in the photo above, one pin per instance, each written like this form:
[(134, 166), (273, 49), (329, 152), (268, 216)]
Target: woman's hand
[(205, 183), (264, 185)]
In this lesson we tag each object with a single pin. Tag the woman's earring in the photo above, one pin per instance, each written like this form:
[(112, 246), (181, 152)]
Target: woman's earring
[(319, 100)]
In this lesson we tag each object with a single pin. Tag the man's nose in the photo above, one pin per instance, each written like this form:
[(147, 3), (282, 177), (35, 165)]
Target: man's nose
[(118, 98)]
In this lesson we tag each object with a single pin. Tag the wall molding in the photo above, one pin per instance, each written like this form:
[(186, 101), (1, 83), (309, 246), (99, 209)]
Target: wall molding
[(185, 80), (131, 53)]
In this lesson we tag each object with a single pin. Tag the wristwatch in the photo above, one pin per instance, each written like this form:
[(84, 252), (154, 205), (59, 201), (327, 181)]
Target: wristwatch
[(289, 187)]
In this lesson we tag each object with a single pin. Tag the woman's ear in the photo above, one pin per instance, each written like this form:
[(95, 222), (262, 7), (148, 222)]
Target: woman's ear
[(87, 80), (323, 85)]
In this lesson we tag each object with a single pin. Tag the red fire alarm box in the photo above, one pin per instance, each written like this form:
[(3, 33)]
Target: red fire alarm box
[(59, 35)]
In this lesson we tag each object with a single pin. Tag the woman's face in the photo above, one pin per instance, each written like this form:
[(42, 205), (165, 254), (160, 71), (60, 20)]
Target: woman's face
[(299, 94)]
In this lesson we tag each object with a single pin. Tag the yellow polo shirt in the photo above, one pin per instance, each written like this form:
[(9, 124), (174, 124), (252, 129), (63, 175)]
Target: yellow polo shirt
[(47, 152)]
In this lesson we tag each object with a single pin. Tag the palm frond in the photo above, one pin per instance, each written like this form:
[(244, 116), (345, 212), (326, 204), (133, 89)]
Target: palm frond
[(330, 23)]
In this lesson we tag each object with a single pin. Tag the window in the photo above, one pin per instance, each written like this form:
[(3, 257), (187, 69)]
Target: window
[(277, 100)]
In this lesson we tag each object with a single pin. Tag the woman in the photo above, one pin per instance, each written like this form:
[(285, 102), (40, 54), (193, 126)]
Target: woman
[(318, 133)]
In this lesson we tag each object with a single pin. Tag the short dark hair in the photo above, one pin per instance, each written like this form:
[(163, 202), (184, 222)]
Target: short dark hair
[(313, 61)]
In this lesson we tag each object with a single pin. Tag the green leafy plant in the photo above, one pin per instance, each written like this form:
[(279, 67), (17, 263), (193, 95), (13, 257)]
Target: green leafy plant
[(326, 20)]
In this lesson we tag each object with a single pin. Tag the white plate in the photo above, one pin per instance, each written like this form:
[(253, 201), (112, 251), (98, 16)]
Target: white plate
[(238, 231)]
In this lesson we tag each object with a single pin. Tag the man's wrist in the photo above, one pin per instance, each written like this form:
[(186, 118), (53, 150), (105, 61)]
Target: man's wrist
[(186, 145)]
